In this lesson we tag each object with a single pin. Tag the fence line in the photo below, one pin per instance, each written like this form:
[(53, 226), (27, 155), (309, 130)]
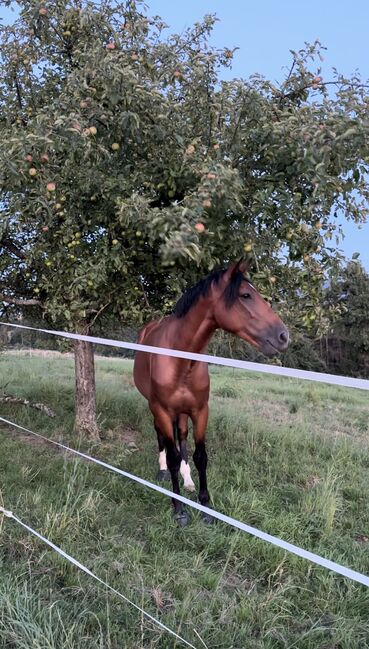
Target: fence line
[(79, 565), (229, 520), (321, 377)]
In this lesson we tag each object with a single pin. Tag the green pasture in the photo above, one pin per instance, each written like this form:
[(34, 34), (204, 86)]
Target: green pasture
[(288, 457)]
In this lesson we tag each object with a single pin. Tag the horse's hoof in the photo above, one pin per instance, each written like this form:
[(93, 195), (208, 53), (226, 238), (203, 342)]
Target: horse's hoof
[(182, 519), (163, 475), (190, 487), (207, 518)]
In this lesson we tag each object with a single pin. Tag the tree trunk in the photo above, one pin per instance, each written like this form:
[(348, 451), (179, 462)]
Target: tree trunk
[(85, 394)]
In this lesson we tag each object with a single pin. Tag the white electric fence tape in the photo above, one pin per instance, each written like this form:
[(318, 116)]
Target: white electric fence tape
[(321, 377), (274, 540), (79, 565)]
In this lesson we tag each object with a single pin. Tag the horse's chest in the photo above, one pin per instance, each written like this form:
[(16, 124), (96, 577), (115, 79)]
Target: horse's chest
[(185, 392)]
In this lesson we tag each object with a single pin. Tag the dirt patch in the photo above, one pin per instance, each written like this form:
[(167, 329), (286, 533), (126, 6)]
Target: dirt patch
[(312, 481), (30, 439), (278, 412), (124, 435)]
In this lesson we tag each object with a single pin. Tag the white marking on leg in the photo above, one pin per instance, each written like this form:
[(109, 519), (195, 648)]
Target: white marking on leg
[(186, 475), (163, 461)]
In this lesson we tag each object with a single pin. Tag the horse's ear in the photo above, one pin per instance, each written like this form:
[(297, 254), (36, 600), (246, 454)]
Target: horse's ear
[(241, 266), (244, 265)]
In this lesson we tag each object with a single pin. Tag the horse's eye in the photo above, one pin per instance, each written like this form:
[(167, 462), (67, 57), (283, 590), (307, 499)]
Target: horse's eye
[(246, 296)]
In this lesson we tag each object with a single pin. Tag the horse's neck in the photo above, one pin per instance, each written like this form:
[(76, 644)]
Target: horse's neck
[(194, 330)]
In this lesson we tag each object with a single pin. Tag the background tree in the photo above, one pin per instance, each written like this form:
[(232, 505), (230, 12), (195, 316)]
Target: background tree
[(128, 169), (345, 347)]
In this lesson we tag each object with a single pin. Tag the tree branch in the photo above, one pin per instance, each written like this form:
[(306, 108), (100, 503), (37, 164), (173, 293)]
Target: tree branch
[(317, 85), (18, 301), (13, 248), (25, 402), (98, 313), (19, 96)]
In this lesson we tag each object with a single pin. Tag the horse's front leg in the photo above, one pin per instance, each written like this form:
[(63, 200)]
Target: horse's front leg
[(164, 427), (185, 470), (200, 458), (163, 473)]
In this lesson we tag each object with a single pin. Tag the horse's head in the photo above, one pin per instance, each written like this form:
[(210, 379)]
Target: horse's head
[(240, 309)]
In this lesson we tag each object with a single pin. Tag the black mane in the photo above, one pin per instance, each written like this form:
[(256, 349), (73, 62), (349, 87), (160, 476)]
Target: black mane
[(202, 288)]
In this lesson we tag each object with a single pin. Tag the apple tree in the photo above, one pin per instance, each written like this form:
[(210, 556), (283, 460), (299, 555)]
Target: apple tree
[(129, 169)]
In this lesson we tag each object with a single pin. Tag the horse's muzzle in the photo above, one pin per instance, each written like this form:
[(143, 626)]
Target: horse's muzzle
[(276, 342)]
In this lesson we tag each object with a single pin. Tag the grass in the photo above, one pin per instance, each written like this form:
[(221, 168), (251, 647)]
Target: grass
[(289, 457)]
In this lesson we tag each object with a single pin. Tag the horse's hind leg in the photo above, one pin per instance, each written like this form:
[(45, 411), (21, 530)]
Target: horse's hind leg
[(185, 470), (163, 473)]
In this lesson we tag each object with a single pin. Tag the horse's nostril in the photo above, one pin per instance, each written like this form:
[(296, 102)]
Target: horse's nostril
[(283, 336)]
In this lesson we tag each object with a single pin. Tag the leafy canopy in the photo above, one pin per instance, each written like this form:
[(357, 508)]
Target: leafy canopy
[(128, 168)]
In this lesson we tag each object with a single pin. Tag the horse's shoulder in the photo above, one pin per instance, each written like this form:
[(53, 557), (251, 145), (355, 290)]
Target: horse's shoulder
[(144, 332)]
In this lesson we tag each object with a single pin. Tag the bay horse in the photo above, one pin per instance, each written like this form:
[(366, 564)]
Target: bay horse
[(178, 389)]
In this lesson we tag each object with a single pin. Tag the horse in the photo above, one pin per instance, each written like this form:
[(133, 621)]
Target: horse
[(178, 389)]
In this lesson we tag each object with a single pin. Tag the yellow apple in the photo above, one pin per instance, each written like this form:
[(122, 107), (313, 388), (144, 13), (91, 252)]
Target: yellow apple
[(190, 149)]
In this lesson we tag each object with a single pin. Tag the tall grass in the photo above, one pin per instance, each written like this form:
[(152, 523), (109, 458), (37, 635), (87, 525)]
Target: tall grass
[(298, 471)]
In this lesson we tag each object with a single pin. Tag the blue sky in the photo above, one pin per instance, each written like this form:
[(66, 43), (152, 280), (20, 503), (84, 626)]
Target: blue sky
[(266, 30)]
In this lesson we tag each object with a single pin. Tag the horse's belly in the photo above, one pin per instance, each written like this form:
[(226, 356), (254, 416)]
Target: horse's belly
[(141, 373)]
